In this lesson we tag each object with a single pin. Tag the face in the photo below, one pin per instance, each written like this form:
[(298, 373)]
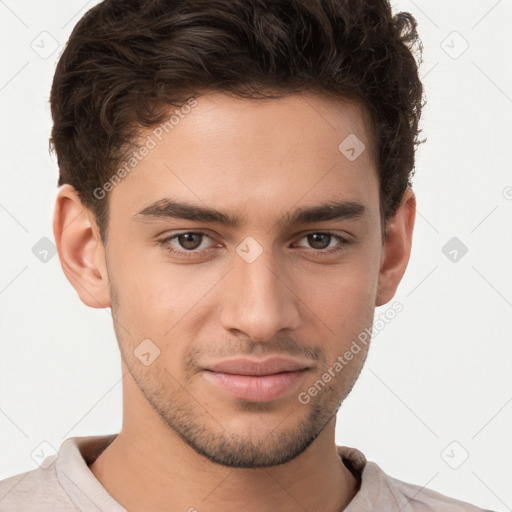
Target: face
[(285, 278)]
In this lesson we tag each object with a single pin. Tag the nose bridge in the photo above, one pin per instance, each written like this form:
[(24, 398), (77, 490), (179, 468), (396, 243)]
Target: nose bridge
[(259, 302)]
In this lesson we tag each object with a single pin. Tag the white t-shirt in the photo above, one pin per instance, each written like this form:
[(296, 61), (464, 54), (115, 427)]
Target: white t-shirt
[(64, 482)]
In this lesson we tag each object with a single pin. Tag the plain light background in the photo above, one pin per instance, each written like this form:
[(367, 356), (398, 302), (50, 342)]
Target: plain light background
[(433, 405)]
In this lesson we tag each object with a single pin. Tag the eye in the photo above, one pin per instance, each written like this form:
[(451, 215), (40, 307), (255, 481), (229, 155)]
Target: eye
[(322, 240), (188, 244), (189, 241)]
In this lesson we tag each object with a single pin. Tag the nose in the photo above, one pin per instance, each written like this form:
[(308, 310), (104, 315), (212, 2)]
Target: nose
[(259, 298)]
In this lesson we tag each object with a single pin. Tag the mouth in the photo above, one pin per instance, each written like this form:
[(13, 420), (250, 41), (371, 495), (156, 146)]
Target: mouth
[(256, 381)]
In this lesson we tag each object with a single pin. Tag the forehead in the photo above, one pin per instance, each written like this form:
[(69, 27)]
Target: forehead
[(253, 156)]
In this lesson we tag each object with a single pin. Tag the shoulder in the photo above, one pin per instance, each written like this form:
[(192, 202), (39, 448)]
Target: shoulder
[(38, 489), (380, 491), (416, 498)]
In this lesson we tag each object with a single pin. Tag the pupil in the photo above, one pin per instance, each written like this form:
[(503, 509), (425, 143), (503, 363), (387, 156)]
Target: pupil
[(315, 240), (189, 243)]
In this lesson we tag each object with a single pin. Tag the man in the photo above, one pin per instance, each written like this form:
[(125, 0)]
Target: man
[(235, 186)]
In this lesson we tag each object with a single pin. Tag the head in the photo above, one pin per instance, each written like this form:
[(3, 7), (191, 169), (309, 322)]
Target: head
[(236, 181)]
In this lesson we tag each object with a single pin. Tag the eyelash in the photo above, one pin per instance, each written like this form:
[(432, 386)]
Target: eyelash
[(195, 253)]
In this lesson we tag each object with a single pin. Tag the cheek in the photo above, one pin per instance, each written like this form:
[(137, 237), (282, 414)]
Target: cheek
[(160, 298), (342, 297), (341, 306)]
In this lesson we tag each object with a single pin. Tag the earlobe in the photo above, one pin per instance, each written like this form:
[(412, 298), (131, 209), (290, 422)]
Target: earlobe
[(81, 252), (397, 248)]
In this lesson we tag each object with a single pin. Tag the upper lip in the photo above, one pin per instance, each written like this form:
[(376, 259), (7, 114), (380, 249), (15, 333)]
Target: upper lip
[(244, 366)]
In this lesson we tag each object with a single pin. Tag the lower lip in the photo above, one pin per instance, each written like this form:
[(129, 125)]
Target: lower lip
[(253, 388)]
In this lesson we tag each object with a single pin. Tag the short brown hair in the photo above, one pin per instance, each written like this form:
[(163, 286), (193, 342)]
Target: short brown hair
[(127, 61)]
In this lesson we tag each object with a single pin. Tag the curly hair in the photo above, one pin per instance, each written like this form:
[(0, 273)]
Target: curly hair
[(128, 61)]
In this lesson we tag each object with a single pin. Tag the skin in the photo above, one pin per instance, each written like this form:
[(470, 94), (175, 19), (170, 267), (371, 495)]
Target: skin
[(184, 443)]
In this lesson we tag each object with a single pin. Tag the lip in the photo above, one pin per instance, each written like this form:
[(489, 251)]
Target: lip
[(255, 367), (256, 381)]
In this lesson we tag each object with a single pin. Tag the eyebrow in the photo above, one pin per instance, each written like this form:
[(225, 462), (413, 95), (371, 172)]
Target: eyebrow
[(171, 209)]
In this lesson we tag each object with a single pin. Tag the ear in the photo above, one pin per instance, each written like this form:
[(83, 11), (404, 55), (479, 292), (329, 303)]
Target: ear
[(397, 248), (81, 251)]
